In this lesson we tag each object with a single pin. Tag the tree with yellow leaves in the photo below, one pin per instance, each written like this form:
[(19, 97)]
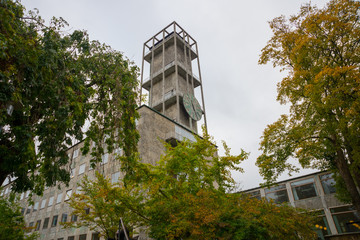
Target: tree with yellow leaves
[(320, 51)]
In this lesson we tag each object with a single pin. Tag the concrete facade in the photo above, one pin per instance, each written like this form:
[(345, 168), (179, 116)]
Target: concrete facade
[(154, 128), (314, 192)]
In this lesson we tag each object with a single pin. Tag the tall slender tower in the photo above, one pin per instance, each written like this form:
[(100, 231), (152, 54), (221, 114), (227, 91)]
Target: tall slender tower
[(171, 82)]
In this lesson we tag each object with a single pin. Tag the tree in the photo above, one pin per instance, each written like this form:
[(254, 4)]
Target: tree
[(12, 224), (188, 198), (100, 204), (319, 49), (52, 83)]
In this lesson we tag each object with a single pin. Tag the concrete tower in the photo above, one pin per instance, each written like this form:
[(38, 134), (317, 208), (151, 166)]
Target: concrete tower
[(171, 82)]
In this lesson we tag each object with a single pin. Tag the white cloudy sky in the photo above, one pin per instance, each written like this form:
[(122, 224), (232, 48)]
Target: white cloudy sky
[(240, 95)]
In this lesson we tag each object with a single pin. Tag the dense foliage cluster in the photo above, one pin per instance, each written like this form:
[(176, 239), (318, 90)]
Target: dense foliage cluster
[(186, 196), (320, 50), (52, 83)]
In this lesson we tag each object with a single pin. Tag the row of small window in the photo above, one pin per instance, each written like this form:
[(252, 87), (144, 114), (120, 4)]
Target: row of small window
[(114, 179), (301, 189), (51, 201), (104, 160), (64, 218), (94, 236)]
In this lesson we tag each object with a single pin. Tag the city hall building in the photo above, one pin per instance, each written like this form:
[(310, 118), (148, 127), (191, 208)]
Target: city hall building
[(176, 105)]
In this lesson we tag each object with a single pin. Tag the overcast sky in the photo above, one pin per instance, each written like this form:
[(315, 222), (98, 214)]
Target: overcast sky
[(240, 95)]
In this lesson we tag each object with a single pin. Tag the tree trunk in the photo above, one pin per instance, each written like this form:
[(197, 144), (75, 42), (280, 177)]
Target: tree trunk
[(345, 173)]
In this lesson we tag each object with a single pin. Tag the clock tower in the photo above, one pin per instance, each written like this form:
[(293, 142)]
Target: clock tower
[(171, 55)]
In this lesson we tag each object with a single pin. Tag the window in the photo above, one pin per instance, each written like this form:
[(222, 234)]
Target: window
[(82, 237), (277, 193), (115, 177), (27, 193), (43, 203), (71, 238), (87, 210), (36, 206), (68, 194), (328, 183), (51, 200), (118, 151), (38, 224), (104, 158), (22, 196), (60, 239), (304, 189), (64, 217), (46, 223), (254, 194), (59, 198), (54, 221), (28, 210), (95, 236), (22, 211), (73, 218), (321, 225), (82, 168), (31, 225), (76, 153), (346, 219)]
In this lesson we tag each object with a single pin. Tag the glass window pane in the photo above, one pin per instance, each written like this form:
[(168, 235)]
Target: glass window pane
[(304, 189), (342, 209), (64, 217), (46, 223), (68, 194), (82, 237), (59, 198), (38, 224), (254, 194), (54, 221), (82, 169), (278, 196), (51, 200), (43, 203), (115, 177), (322, 228), (347, 222), (275, 188), (328, 185)]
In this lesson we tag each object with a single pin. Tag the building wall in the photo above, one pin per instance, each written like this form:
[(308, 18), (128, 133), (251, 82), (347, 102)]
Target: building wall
[(314, 192), (154, 128)]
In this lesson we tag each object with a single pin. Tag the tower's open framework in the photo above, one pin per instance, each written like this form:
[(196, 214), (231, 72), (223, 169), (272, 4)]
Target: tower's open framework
[(170, 53)]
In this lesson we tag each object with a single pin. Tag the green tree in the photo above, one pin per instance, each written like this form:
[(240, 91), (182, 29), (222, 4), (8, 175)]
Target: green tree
[(319, 49), (188, 198), (100, 205), (51, 84), (12, 224)]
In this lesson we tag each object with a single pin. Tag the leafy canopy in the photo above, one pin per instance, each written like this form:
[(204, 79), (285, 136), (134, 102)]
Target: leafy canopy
[(319, 49), (12, 224), (52, 83), (186, 196)]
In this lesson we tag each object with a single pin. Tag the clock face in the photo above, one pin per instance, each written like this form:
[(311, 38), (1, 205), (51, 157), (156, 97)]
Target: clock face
[(192, 106)]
